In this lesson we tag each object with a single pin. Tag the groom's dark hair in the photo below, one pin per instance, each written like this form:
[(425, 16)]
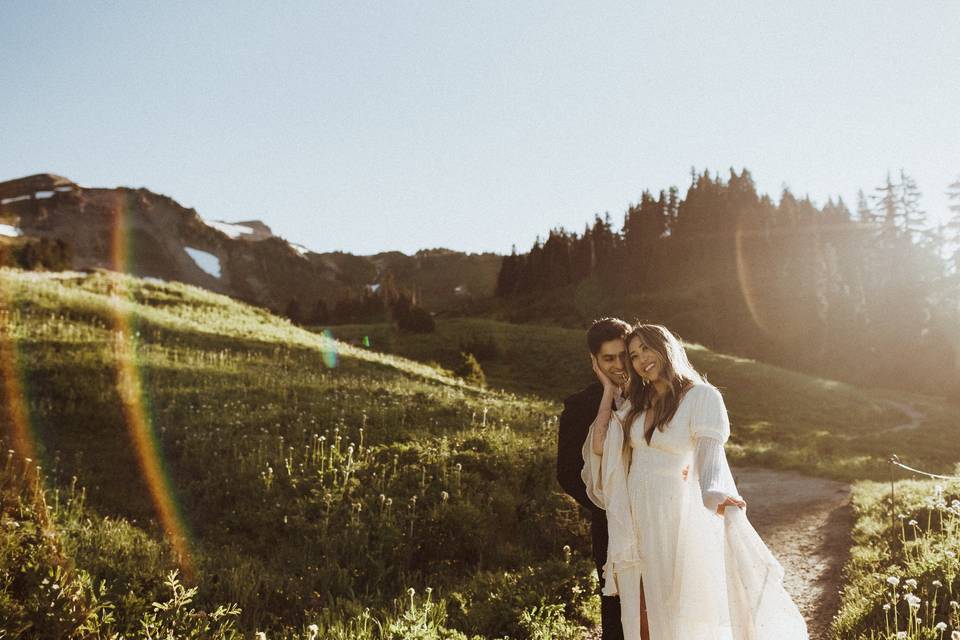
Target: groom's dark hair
[(605, 330)]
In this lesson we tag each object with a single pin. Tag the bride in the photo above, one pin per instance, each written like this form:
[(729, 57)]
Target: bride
[(682, 539)]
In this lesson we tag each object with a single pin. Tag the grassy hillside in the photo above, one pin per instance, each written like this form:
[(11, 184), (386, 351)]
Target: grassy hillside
[(306, 488), (312, 482), (780, 418)]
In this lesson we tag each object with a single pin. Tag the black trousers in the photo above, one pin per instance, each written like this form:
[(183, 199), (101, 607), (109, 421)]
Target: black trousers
[(609, 605)]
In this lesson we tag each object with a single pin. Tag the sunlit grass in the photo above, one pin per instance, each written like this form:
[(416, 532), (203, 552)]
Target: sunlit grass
[(780, 418), (315, 495), (903, 578), (319, 495)]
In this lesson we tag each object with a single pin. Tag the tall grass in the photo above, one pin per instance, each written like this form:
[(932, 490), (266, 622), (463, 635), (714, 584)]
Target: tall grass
[(903, 578), (314, 497), (781, 419)]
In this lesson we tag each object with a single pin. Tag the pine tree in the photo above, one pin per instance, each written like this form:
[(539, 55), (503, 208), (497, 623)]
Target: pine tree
[(952, 228)]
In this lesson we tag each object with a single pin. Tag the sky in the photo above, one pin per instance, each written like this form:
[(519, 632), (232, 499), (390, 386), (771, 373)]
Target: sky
[(367, 127)]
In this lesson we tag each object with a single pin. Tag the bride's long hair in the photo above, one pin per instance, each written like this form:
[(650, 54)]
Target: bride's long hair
[(676, 368)]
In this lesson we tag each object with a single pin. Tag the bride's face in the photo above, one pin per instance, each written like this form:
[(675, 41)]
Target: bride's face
[(645, 361)]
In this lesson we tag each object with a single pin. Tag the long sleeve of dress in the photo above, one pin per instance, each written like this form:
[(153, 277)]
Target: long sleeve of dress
[(713, 471), (592, 474), (605, 477), (710, 430)]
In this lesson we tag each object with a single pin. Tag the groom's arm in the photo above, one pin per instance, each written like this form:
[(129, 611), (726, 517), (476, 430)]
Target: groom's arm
[(570, 438)]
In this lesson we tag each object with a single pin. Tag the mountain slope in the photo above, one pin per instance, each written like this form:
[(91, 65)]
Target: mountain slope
[(150, 235)]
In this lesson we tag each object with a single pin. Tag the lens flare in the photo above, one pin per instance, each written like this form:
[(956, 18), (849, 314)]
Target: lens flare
[(328, 349), (17, 411), (134, 399), (747, 275)]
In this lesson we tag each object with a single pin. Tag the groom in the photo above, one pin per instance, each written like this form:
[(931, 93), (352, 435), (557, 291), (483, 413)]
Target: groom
[(606, 339)]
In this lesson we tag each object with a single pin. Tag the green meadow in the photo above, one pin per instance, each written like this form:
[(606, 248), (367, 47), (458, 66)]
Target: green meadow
[(332, 490), (781, 419)]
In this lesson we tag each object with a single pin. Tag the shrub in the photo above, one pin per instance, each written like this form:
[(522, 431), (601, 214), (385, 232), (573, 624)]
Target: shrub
[(470, 370), (482, 347)]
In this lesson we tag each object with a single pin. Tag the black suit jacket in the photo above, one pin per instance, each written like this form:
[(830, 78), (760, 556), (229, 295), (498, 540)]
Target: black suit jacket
[(579, 411)]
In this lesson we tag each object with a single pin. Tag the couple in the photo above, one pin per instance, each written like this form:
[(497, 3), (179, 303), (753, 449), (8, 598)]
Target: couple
[(642, 449)]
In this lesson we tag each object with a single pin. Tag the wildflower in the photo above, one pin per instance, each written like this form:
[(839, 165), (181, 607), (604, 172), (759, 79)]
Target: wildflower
[(901, 635), (912, 601), (954, 605), (912, 523), (261, 635), (937, 583), (444, 496), (893, 580), (941, 626), (955, 635), (886, 607), (911, 582)]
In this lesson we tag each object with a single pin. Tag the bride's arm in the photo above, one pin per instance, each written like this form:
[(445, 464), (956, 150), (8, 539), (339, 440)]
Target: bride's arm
[(599, 426), (717, 488)]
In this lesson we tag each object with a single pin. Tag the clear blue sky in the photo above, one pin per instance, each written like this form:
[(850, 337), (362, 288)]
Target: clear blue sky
[(367, 127)]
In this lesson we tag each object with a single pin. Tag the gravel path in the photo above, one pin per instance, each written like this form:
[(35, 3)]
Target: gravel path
[(806, 523)]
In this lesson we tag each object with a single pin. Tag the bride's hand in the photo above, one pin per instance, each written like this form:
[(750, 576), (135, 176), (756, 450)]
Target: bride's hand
[(730, 502), (608, 385)]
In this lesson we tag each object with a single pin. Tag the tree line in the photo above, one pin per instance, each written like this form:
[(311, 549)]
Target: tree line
[(384, 302), (870, 295)]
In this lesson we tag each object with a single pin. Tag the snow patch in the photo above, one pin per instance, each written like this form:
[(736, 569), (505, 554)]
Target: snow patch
[(206, 261), (10, 231), (154, 280), (232, 231), (299, 248), (42, 195)]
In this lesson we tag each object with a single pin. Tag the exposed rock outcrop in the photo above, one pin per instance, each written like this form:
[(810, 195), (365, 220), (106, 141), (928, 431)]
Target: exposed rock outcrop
[(148, 234)]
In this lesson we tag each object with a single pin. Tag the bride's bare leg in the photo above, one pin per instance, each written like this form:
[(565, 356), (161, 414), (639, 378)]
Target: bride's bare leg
[(644, 627)]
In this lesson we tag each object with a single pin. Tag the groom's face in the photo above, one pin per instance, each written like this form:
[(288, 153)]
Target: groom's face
[(612, 360)]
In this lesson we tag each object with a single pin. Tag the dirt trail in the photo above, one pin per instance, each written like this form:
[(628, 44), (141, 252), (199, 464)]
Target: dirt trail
[(806, 523), (916, 417)]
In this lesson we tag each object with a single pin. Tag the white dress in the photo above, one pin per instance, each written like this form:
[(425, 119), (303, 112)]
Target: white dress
[(705, 576)]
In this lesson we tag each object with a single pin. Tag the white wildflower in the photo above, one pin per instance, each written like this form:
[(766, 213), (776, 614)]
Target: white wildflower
[(893, 580)]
